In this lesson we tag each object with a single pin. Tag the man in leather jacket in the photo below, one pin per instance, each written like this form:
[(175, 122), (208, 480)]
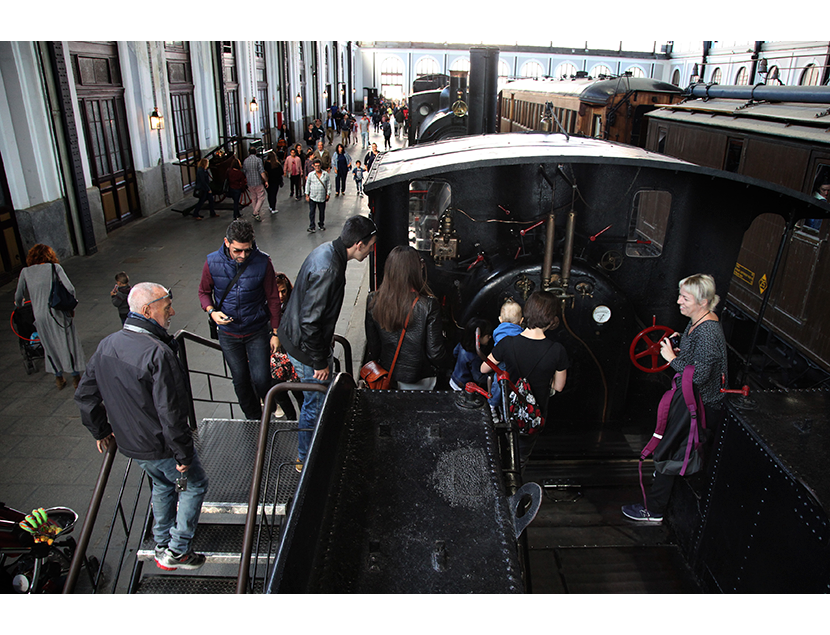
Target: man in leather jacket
[(136, 372), (307, 326)]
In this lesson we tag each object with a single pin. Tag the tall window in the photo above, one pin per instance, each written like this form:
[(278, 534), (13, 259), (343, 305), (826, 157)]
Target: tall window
[(717, 76), (600, 69), (565, 70), (461, 64), (773, 77), (391, 78), (811, 76), (635, 71), (532, 69), (504, 73), (262, 120), (675, 77), (742, 78), (427, 66)]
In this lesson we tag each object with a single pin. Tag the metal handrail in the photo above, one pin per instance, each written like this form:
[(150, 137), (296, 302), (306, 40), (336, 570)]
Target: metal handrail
[(259, 462), (89, 519)]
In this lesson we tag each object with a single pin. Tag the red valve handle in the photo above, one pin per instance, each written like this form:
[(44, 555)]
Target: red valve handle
[(652, 349), (594, 237), (738, 391), (472, 387)]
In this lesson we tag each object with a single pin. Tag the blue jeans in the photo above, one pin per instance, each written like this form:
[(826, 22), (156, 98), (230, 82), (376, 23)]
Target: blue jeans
[(249, 360), (235, 196), (311, 207), (176, 514), (312, 404)]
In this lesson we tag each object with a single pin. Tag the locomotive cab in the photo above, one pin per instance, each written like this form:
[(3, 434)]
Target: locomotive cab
[(610, 230)]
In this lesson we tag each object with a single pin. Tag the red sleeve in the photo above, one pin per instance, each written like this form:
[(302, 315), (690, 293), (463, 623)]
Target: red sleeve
[(272, 295), (206, 288)]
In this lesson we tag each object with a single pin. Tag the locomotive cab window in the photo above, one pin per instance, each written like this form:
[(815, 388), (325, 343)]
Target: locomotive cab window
[(647, 227), (428, 200), (821, 192)]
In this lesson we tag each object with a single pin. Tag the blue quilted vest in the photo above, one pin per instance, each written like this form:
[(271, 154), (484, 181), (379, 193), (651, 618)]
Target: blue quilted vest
[(246, 302)]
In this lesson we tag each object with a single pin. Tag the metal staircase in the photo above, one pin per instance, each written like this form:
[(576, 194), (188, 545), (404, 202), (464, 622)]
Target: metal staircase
[(227, 449), (245, 461)]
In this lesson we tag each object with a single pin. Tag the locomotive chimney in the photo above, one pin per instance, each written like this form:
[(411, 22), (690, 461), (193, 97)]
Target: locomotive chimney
[(483, 99)]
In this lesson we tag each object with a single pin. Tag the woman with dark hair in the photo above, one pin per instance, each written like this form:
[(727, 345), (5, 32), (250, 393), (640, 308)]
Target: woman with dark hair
[(273, 168), (532, 356), (342, 166), (203, 191), (281, 368), (56, 329), (237, 183), (404, 289)]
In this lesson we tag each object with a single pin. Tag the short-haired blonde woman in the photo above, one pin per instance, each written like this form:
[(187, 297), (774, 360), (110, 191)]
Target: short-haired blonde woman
[(703, 346)]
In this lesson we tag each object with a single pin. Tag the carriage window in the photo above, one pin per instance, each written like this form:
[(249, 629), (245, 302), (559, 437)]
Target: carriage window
[(820, 191), (649, 220), (428, 200)]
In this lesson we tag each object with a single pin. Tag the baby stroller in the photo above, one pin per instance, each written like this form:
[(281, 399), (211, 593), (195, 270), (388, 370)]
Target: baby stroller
[(23, 325)]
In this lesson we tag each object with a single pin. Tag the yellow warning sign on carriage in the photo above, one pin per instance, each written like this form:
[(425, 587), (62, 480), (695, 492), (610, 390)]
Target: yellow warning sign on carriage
[(762, 284), (744, 274)]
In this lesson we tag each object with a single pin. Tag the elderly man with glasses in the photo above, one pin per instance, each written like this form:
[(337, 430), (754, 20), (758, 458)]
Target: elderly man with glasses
[(136, 372), (239, 292)]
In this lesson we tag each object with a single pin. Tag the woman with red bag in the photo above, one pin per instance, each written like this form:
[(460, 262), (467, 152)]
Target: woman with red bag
[(422, 350)]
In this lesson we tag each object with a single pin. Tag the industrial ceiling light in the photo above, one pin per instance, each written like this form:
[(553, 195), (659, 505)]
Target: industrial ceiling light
[(156, 120)]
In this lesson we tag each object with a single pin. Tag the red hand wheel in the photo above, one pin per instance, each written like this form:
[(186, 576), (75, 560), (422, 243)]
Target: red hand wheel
[(652, 347)]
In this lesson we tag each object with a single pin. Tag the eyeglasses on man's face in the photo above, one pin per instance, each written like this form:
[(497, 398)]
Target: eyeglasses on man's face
[(169, 294)]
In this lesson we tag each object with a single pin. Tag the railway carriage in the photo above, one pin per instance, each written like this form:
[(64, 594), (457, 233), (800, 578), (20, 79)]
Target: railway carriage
[(778, 135)]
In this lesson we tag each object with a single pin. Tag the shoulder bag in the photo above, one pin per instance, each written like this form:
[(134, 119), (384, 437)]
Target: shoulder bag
[(60, 298), (373, 374), (214, 328)]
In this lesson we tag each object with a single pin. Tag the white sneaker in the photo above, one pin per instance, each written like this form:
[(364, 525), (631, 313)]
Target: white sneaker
[(275, 211)]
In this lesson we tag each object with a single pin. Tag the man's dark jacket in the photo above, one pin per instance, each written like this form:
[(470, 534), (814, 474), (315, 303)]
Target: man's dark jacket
[(140, 379), (307, 325)]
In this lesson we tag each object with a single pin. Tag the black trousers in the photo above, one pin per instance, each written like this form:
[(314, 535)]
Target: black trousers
[(658, 497)]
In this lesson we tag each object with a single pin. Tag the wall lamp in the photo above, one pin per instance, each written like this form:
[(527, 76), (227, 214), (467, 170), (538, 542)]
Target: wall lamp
[(253, 105), (156, 120)]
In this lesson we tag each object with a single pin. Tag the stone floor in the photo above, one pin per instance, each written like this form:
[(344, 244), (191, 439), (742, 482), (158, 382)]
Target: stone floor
[(47, 457)]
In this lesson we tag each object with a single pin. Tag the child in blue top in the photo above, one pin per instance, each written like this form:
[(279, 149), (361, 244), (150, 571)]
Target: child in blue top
[(468, 363), (510, 320), (358, 177)]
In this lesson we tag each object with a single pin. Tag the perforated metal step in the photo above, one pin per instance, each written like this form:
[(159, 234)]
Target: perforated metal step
[(189, 585), (221, 544), (227, 448)]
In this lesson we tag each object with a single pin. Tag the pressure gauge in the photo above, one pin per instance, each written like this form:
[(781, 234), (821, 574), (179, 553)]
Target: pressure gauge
[(601, 314)]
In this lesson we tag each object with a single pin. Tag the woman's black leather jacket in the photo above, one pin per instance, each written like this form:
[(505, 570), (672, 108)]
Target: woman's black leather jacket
[(423, 348)]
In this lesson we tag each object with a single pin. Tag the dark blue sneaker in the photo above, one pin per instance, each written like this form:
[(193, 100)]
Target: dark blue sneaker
[(639, 513)]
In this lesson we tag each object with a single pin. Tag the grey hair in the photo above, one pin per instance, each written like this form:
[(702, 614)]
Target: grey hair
[(142, 294)]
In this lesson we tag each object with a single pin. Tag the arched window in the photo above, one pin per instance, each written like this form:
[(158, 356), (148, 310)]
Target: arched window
[(675, 77), (504, 73), (565, 70), (717, 76), (635, 71), (742, 78), (811, 76), (391, 78), (461, 64), (427, 66), (532, 69), (600, 69), (773, 76)]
